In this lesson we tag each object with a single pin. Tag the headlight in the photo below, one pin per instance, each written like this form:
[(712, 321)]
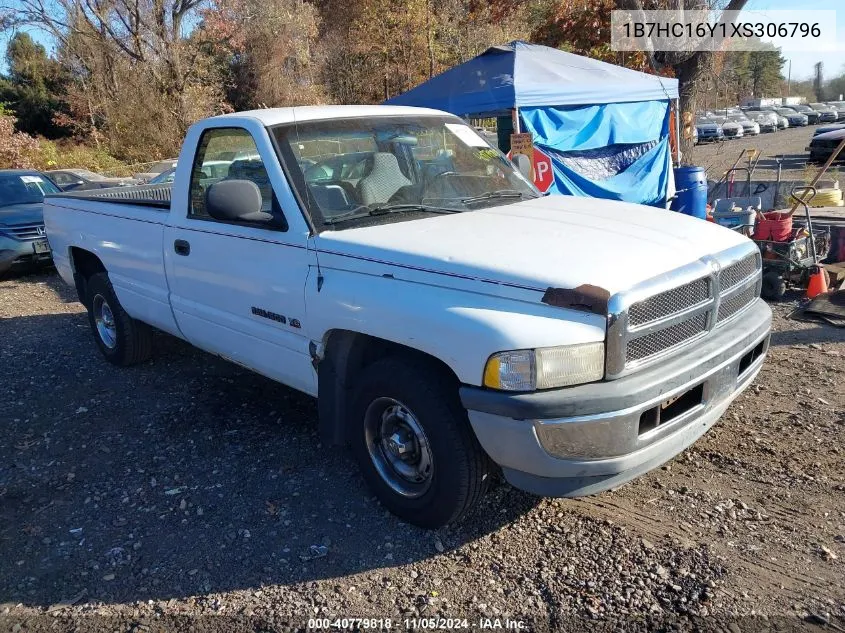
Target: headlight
[(545, 368)]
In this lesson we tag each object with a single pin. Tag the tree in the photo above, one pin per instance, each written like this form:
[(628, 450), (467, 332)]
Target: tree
[(16, 148), (836, 87), (137, 49), (818, 81), (689, 67), (33, 87), (267, 48), (764, 71)]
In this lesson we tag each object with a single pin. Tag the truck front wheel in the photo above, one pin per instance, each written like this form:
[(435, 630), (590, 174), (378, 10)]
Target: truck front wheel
[(121, 339), (414, 444)]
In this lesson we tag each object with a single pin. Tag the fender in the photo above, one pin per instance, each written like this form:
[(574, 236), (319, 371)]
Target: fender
[(461, 329)]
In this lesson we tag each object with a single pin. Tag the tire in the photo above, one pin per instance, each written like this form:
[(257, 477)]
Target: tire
[(404, 392), (773, 287), (122, 340)]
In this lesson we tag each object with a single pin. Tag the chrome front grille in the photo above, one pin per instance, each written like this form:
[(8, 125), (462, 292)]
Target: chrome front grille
[(661, 316), (663, 340), (739, 286), (738, 272), (735, 305), (26, 231), (669, 302)]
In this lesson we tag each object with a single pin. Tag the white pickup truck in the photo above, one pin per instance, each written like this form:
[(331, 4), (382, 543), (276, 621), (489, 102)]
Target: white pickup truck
[(447, 316)]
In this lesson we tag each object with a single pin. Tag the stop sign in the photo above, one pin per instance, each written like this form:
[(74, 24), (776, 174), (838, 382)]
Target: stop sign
[(544, 176)]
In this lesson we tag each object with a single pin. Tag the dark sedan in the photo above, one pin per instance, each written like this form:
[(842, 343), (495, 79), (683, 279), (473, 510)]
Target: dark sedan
[(84, 179), (812, 115), (23, 241), (823, 145)]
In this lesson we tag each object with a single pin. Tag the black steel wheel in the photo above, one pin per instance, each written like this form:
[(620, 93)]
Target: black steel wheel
[(414, 444)]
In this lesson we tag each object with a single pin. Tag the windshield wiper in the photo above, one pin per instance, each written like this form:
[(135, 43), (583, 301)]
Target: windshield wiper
[(384, 209), (399, 207), (491, 195)]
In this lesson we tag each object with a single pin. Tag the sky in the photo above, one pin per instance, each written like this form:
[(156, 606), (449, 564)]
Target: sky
[(802, 61)]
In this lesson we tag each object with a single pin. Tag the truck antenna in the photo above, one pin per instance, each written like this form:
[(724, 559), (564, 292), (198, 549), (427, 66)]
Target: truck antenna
[(320, 278)]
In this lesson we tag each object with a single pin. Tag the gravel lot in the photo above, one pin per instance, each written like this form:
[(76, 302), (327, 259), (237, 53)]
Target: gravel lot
[(188, 487)]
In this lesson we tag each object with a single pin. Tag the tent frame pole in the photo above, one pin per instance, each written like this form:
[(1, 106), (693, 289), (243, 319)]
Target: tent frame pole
[(677, 107), (515, 119)]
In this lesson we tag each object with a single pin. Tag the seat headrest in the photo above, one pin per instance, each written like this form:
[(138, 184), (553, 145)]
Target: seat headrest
[(385, 161)]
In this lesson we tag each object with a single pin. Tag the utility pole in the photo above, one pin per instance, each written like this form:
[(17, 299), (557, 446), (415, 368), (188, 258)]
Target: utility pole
[(789, 78)]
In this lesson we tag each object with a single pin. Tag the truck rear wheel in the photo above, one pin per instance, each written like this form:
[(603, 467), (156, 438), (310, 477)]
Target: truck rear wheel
[(413, 442), (121, 339)]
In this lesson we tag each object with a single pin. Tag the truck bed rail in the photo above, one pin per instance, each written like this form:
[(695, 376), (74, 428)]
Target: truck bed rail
[(155, 196)]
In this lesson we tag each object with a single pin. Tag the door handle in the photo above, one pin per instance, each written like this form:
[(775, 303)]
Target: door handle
[(182, 247)]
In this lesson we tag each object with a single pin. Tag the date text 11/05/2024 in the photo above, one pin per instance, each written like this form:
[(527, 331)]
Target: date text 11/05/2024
[(431, 624)]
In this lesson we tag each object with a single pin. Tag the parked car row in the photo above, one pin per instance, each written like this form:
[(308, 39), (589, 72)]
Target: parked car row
[(86, 180), (736, 122)]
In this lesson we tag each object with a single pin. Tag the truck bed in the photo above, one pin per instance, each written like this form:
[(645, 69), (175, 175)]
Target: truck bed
[(124, 227)]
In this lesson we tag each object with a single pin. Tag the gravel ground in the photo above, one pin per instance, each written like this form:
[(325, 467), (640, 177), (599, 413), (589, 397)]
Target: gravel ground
[(790, 145), (189, 487)]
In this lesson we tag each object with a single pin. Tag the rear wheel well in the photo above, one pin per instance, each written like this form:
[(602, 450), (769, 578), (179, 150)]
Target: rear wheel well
[(85, 263), (346, 354)]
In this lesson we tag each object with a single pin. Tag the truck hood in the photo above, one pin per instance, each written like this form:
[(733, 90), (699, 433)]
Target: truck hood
[(22, 214), (555, 241)]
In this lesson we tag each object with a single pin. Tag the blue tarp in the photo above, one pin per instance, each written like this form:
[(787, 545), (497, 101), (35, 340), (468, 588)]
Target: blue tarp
[(617, 151), (604, 126), (589, 127)]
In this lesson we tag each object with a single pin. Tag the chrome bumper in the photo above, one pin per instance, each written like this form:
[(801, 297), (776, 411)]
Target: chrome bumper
[(586, 439)]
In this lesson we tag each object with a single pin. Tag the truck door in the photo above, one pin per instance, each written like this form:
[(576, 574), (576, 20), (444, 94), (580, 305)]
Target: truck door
[(238, 289)]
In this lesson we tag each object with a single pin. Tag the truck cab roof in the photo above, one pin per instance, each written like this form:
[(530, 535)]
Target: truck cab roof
[(281, 116)]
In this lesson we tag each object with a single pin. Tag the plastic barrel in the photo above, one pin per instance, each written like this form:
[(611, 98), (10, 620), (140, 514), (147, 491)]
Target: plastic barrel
[(691, 191)]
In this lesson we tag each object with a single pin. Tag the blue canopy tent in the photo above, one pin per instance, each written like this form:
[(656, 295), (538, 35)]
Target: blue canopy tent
[(605, 127)]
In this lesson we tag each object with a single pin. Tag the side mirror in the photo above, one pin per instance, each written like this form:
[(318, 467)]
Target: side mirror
[(235, 201)]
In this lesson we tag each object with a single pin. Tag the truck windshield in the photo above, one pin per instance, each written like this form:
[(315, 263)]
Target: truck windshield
[(362, 169), (24, 189)]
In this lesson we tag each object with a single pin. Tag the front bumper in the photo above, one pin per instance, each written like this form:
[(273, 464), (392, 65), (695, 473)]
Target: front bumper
[(16, 254), (586, 439)]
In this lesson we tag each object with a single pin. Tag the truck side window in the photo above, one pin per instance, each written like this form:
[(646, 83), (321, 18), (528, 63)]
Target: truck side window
[(228, 154)]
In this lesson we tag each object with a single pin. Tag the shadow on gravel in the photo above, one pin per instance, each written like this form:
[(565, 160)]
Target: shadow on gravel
[(821, 333), (180, 477), (789, 161)]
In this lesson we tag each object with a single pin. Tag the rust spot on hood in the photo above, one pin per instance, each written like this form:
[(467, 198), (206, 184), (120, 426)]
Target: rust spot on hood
[(585, 298)]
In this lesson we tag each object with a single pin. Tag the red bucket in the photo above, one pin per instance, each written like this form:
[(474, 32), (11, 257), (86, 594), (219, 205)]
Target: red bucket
[(774, 226)]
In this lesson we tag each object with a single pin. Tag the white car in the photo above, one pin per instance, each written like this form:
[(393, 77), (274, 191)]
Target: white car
[(767, 121), (730, 128), (437, 306), (749, 127)]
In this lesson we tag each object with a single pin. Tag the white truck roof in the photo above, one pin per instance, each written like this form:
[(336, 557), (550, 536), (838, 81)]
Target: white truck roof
[(277, 116)]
